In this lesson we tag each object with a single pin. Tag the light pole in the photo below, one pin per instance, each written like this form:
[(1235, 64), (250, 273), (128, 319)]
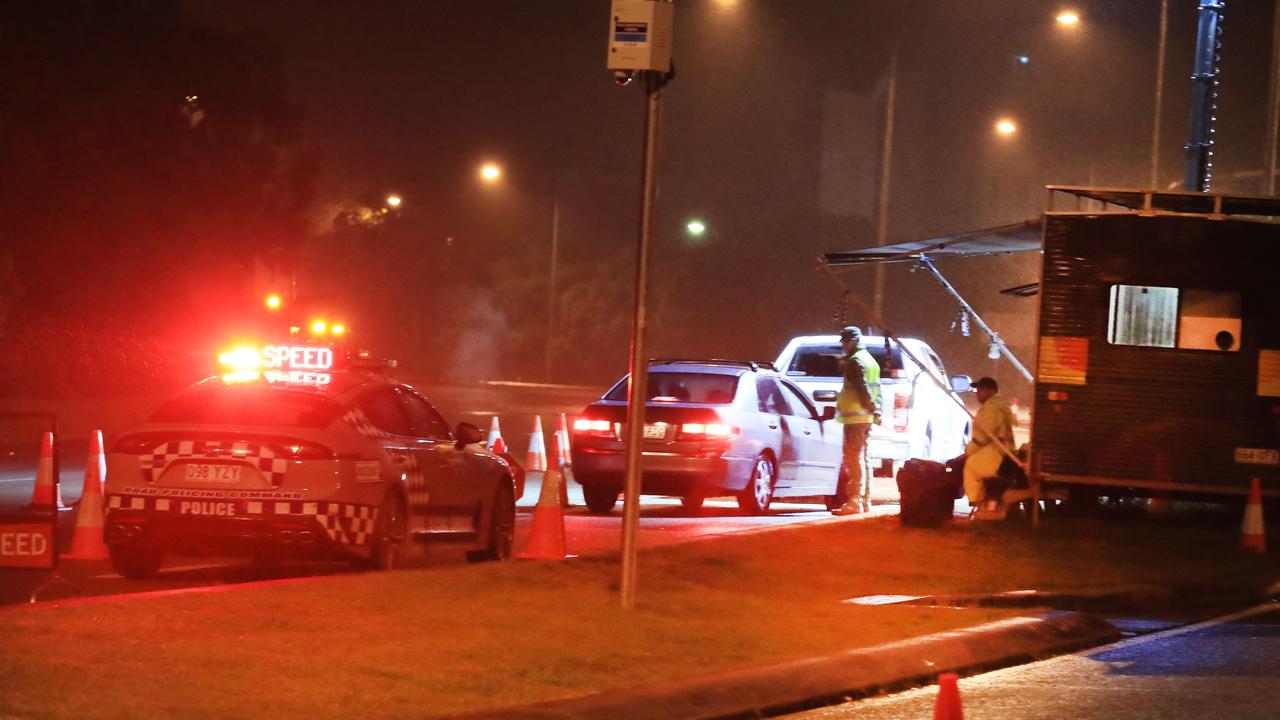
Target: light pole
[(490, 174)]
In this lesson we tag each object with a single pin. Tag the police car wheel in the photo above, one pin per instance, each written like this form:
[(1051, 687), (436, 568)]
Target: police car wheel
[(758, 494), (502, 528), (136, 562), (388, 539)]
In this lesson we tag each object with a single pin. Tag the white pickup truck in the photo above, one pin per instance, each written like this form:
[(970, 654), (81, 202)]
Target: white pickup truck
[(918, 418)]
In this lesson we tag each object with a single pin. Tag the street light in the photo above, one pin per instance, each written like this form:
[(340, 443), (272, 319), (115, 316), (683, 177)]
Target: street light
[(490, 174), (1068, 18), (1006, 127), (393, 200), (695, 228)]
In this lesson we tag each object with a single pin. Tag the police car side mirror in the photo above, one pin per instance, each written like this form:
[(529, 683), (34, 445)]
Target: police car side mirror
[(468, 434), (961, 383)]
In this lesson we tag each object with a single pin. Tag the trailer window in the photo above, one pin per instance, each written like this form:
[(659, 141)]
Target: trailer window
[(1148, 316)]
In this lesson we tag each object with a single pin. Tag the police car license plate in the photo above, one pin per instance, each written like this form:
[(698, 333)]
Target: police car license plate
[(655, 431), (212, 472)]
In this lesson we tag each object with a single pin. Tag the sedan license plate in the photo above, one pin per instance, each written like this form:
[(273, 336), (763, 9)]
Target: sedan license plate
[(655, 431), (213, 473)]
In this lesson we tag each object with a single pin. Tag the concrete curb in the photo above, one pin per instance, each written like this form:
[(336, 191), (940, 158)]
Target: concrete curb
[(813, 682)]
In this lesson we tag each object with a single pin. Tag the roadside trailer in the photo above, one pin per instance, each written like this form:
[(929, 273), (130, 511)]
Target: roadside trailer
[(1157, 368)]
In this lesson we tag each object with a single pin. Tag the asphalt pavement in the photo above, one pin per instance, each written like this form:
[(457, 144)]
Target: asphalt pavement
[(1228, 667)]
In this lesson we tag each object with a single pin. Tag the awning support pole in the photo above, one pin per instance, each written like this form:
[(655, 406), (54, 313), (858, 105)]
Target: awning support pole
[(926, 263)]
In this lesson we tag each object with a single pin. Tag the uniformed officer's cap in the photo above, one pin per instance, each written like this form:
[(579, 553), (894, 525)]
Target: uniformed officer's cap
[(851, 332)]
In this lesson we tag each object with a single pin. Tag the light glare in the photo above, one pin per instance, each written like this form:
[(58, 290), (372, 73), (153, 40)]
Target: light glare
[(1006, 126), (1069, 18), (490, 172)]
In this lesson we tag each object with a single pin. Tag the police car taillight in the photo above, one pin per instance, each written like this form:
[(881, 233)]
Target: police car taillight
[(901, 412), (136, 444), (304, 450)]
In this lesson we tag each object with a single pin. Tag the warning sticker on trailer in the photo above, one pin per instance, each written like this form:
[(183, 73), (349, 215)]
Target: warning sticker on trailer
[(1064, 360), (1269, 373)]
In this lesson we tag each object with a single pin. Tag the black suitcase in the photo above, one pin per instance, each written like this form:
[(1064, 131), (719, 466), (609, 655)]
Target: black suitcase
[(927, 491)]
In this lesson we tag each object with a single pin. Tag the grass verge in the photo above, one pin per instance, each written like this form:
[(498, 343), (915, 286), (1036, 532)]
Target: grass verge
[(446, 640)]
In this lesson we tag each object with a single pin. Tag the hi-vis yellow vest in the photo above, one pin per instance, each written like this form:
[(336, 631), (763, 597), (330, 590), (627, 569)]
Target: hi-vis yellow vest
[(861, 372)]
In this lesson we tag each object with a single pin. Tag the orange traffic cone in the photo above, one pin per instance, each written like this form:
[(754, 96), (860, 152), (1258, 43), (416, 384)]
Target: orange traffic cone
[(47, 494), (562, 441), (536, 459), (86, 543), (499, 446), (947, 706), (546, 537), (1253, 536), (495, 434)]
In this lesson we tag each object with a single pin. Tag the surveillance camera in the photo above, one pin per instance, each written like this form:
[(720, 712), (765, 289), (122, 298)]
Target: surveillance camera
[(623, 78)]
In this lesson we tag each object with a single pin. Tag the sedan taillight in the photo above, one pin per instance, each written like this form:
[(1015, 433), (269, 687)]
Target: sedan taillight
[(594, 428), (706, 431)]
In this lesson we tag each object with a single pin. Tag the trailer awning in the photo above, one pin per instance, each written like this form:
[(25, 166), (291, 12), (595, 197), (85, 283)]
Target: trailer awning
[(1170, 201), (1001, 240)]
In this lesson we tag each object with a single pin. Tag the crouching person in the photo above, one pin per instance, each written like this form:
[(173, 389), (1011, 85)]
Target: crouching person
[(983, 456)]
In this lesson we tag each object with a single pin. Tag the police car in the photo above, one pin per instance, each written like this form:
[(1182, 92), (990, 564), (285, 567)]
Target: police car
[(303, 451)]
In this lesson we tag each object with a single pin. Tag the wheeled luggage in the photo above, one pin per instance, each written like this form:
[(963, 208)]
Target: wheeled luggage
[(927, 492)]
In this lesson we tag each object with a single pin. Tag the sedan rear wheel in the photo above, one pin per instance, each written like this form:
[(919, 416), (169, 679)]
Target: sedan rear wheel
[(600, 498), (756, 496)]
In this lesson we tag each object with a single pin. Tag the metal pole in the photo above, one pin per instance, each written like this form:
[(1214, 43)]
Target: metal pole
[(636, 392), (1273, 127), (886, 174), (1198, 170), (551, 295), (1155, 125), (995, 337)]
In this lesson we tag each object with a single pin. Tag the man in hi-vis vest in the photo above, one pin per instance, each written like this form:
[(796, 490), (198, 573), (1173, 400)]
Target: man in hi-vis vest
[(857, 408)]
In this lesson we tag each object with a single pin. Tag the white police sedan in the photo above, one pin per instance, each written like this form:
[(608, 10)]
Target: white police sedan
[(304, 458)]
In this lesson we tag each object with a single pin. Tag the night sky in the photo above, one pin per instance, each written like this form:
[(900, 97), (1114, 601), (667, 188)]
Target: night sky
[(771, 135)]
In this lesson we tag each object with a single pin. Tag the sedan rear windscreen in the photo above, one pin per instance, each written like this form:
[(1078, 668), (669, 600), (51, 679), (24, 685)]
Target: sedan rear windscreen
[(703, 388), (247, 406), (824, 360)]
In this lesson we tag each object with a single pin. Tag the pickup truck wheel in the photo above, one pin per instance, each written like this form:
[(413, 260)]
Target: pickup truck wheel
[(136, 561), (502, 528), (693, 499), (600, 499), (756, 496)]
